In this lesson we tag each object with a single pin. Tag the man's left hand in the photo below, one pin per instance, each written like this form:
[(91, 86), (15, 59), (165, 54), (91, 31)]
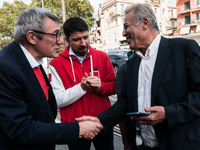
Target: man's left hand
[(157, 116), (94, 82)]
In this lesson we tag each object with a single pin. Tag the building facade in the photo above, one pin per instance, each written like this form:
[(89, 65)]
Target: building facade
[(188, 19), (111, 19), (188, 16)]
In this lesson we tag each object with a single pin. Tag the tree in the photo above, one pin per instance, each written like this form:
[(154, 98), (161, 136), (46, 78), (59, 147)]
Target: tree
[(8, 15), (74, 8)]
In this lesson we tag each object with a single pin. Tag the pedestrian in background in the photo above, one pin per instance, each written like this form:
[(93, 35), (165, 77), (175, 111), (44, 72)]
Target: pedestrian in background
[(129, 54)]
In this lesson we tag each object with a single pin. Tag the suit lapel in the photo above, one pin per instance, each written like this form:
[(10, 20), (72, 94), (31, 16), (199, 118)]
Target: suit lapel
[(132, 82), (159, 69), (30, 75)]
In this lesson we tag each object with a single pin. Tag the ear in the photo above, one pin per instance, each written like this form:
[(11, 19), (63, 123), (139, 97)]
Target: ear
[(67, 40), (145, 23), (31, 37)]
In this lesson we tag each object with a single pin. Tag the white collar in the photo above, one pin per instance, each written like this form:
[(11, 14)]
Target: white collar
[(30, 58), (80, 58), (151, 49)]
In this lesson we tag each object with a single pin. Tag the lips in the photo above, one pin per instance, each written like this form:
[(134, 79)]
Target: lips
[(57, 49), (83, 48)]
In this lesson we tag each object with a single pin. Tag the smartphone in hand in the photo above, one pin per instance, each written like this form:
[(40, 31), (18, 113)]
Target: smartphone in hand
[(139, 113)]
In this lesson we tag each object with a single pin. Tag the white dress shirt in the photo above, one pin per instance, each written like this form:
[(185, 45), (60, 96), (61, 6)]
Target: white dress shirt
[(146, 69), (31, 59)]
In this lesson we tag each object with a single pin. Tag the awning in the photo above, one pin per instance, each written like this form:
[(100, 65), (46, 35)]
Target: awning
[(198, 28), (185, 30)]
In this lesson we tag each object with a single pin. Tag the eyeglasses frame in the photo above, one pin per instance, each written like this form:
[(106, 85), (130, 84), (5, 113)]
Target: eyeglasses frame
[(58, 35)]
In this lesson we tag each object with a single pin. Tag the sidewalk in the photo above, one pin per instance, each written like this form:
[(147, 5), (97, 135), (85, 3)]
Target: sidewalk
[(117, 145)]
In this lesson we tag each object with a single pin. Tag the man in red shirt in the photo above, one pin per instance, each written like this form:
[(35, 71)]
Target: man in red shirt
[(82, 80)]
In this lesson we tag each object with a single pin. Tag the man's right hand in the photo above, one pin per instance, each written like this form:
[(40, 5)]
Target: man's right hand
[(89, 129), (84, 84)]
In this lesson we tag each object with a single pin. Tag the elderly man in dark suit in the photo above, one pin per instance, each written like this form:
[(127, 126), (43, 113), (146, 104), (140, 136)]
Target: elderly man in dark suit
[(162, 79), (27, 103)]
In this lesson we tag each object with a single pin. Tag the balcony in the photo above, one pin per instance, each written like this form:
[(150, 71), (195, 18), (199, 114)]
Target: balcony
[(156, 3), (173, 17), (114, 14), (183, 11)]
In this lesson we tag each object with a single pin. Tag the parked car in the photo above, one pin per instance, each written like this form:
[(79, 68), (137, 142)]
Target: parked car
[(118, 52), (117, 60)]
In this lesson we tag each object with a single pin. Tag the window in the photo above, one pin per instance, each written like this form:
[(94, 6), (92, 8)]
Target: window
[(187, 5), (108, 24), (187, 19), (198, 16), (122, 8), (163, 11), (172, 23), (164, 24), (198, 2), (116, 22), (115, 37), (107, 12), (172, 13), (115, 9), (122, 21), (155, 10)]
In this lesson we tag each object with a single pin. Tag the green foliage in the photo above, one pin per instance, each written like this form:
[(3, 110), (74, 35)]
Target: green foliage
[(8, 15), (82, 9), (4, 42), (10, 11), (74, 8)]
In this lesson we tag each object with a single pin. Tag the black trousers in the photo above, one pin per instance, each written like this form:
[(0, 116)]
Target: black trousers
[(100, 143)]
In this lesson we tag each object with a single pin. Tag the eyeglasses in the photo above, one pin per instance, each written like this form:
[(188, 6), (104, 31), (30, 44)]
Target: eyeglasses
[(57, 35)]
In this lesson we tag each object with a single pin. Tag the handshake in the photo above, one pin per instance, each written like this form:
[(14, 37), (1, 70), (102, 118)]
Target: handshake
[(89, 127)]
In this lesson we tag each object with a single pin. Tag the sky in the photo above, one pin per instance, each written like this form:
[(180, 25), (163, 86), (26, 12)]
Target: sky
[(94, 3)]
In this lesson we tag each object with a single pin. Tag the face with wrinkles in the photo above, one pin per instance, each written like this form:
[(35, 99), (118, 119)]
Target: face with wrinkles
[(49, 45), (79, 42), (134, 34)]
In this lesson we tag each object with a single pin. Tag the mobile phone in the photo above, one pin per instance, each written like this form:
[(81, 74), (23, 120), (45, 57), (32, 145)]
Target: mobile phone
[(139, 113)]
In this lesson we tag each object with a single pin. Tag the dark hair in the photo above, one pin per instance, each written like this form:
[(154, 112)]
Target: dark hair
[(74, 24)]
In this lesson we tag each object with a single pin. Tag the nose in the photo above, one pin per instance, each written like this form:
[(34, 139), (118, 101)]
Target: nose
[(83, 43), (124, 32), (60, 41)]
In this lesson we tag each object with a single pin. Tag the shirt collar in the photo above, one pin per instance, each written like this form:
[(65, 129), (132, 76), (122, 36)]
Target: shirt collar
[(80, 58), (152, 48), (31, 59)]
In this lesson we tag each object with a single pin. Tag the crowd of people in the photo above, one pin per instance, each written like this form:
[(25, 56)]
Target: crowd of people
[(161, 78)]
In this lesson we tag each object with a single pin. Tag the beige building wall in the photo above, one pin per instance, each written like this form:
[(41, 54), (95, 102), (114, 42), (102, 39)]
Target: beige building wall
[(112, 20)]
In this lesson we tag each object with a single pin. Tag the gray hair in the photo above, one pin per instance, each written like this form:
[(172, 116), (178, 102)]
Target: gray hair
[(32, 19), (142, 11)]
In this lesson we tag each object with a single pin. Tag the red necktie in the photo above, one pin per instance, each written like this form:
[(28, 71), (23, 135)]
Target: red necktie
[(41, 80)]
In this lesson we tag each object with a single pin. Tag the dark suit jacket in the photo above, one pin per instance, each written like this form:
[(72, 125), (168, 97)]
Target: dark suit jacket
[(176, 86), (26, 117)]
